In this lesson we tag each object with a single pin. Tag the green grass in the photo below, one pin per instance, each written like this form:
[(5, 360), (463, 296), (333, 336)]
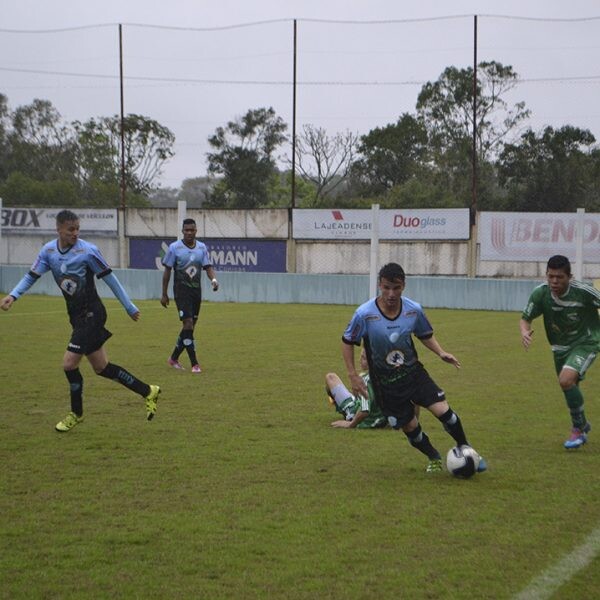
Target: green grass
[(239, 488)]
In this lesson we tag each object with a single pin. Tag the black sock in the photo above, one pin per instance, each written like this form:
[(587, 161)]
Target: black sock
[(453, 426), (76, 386), (124, 377), (419, 440), (187, 336), (178, 347)]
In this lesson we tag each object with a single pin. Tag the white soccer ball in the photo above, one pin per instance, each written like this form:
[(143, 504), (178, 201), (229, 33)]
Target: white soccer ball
[(462, 461)]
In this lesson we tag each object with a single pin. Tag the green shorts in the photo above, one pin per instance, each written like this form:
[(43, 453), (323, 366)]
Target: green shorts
[(579, 358)]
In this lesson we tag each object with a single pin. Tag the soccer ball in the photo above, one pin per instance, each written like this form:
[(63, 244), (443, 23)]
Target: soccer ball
[(462, 461)]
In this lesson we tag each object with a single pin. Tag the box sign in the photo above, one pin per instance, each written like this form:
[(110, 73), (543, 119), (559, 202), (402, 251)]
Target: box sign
[(43, 220), (226, 255), (526, 237), (394, 224)]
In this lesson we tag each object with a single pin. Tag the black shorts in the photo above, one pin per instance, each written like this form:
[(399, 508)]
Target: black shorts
[(89, 333), (399, 398), (188, 301)]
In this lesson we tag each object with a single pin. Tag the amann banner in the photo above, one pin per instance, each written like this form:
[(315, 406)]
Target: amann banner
[(527, 237), (263, 256), (394, 224), (43, 220)]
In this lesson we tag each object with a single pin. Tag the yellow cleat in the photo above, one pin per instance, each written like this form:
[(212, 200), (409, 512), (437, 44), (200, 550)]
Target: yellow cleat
[(68, 422), (151, 400)]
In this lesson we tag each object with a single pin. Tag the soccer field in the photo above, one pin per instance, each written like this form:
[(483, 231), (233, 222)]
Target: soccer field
[(239, 488)]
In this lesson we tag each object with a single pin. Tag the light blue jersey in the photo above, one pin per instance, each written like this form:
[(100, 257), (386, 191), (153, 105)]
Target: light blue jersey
[(187, 264), (73, 270), (388, 342)]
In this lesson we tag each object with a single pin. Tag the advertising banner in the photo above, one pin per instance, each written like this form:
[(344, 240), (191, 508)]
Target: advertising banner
[(43, 220), (262, 256), (394, 224), (526, 237)]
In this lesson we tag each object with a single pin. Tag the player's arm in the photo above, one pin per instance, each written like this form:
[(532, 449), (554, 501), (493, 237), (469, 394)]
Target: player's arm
[(430, 342), (119, 291), (164, 300), (356, 381), (526, 333), (26, 282), (359, 417), (210, 273)]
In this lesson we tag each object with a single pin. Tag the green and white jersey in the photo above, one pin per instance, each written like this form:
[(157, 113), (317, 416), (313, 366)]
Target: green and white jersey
[(570, 320), (355, 404)]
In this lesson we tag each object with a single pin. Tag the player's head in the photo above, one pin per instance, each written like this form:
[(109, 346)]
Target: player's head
[(558, 274), (189, 231), (65, 215), (391, 286), (67, 226), (392, 272), (558, 262)]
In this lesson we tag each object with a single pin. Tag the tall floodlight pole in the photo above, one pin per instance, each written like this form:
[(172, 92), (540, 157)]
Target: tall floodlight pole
[(474, 149), (122, 116), (294, 123)]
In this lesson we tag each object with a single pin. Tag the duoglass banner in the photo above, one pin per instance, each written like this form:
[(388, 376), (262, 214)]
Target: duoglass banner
[(394, 224), (527, 237)]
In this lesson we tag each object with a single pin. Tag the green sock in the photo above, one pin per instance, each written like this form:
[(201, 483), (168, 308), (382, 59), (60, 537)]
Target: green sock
[(574, 400)]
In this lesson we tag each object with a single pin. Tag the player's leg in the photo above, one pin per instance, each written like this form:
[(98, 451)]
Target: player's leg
[(190, 344), (71, 362), (340, 397), (173, 360), (571, 370), (101, 365)]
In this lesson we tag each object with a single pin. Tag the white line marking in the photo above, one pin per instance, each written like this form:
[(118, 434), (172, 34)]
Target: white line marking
[(551, 579)]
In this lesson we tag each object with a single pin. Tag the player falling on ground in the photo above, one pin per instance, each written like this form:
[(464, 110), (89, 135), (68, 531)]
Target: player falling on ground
[(187, 258), (570, 312), (385, 325), (361, 412), (73, 263)]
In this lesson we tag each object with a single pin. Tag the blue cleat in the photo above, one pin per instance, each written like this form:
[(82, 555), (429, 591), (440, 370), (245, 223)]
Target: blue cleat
[(578, 437), (482, 465)]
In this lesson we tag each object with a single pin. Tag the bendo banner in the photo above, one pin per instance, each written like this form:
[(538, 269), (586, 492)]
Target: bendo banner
[(43, 220), (394, 224), (536, 236)]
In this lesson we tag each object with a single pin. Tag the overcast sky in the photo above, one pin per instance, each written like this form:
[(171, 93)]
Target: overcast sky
[(192, 69)]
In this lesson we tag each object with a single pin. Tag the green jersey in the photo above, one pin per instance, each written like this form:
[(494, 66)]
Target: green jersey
[(355, 404), (570, 320)]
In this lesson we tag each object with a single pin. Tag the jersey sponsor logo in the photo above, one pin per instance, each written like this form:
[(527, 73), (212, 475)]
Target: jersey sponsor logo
[(69, 286), (394, 336), (395, 358), (191, 271)]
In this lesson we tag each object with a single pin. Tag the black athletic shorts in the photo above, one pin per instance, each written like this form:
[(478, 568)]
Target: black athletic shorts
[(89, 333), (398, 399), (188, 301)]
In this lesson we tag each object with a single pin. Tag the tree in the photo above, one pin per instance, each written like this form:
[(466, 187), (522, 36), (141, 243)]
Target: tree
[(446, 106), (555, 171), (39, 144), (148, 145), (243, 156), (390, 155), (324, 160)]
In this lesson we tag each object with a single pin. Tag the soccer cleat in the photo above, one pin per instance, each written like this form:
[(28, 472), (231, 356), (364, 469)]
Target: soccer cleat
[(175, 364), (151, 400), (434, 465), (68, 422), (196, 369), (482, 465), (578, 437)]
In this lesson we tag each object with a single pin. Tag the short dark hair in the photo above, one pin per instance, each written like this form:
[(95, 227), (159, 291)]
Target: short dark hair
[(559, 262), (188, 222), (392, 272), (66, 215)]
